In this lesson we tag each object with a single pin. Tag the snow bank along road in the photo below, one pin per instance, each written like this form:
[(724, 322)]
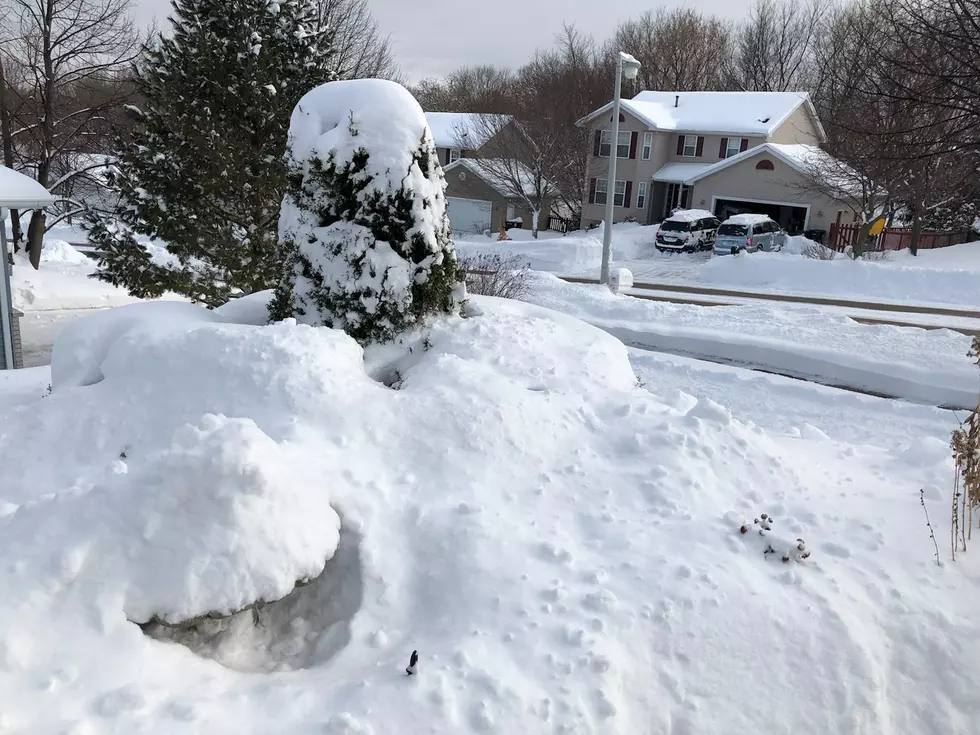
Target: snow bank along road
[(923, 366)]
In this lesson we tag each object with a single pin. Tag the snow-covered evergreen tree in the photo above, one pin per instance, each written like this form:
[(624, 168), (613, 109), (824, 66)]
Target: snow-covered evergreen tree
[(364, 231), (204, 170)]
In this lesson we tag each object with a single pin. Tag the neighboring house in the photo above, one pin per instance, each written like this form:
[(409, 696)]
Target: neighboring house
[(727, 152), (462, 134), (478, 199)]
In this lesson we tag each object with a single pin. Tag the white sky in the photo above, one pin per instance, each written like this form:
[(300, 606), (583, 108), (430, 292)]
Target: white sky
[(433, 37)]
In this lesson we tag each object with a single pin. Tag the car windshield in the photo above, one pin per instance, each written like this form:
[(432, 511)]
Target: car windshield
[(733, 230), (669, 226)]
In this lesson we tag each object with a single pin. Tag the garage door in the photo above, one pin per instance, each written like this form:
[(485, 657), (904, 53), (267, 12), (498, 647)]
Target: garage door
[(469, 216)]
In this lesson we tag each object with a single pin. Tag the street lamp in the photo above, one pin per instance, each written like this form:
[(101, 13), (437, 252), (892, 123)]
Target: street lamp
[(627, 66)]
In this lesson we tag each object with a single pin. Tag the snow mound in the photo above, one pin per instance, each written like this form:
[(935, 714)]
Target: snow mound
[(59, 251), (561, 546), (845, 277)]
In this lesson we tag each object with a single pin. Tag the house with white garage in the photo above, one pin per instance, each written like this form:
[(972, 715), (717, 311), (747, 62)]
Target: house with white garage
[(478, 196), (726, 152)]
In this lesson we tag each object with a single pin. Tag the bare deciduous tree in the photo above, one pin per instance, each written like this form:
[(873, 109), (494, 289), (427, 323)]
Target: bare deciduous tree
[(69, 48), (361, 51), (480, 89), (680, 49), (774, 50)]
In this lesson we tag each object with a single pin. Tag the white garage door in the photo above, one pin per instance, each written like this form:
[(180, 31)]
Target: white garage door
[(469, 216)]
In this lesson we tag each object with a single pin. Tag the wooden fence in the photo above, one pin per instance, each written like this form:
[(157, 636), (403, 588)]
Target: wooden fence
[(560, 224), (896, 238)]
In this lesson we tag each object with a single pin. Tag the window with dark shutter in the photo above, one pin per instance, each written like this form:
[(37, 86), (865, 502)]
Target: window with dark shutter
[(591, 191), (680, 145), (723, 148), (700, 150), (629, 192), (633, 137)]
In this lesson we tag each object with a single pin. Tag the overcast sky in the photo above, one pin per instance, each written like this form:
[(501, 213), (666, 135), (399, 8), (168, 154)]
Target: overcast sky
[(433, 37)]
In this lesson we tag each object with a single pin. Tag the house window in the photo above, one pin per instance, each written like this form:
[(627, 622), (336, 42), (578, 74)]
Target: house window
[(455, 154), (641, 195), (734, 147), (622, 149), (690, 146), (602, 190), (647, 146), (764, 165), (677, 196)]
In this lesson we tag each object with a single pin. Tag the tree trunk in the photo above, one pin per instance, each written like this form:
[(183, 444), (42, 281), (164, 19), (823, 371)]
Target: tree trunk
[(35, 237), (916, 232), (858, 248), (8, 153), (535, 215)]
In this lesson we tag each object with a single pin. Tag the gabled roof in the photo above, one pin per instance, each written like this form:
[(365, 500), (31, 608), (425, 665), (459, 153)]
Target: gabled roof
[(804, 158), (18, 191), (737, 113), (464, 130), (504, 188)]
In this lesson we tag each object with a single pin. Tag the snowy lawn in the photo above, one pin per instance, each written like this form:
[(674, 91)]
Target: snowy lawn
[(927, 366), (561, 546)]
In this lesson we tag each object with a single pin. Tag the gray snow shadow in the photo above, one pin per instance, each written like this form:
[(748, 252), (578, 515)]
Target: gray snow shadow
[(304, 629)]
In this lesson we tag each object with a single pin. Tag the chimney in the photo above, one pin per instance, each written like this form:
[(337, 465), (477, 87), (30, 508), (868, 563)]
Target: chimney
[(677, 100)]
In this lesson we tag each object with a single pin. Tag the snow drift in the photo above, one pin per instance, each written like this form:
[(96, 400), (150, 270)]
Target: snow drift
[(561, 546)]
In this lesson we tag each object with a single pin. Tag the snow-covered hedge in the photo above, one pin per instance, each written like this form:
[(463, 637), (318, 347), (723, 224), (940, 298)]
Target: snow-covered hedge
[(364, 232)]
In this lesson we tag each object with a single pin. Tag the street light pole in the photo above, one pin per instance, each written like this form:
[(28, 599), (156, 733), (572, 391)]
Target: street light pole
[(630, 66)]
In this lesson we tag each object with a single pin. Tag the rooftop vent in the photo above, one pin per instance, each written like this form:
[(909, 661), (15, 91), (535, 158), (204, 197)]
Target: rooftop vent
[(677, 100)]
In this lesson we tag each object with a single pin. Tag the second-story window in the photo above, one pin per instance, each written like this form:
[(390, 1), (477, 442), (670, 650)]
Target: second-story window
[(690, 146), (455, 154), (734, 147), (622, 150)]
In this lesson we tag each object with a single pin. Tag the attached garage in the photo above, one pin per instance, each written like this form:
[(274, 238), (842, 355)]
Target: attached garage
[(792, 217), (468, 216)]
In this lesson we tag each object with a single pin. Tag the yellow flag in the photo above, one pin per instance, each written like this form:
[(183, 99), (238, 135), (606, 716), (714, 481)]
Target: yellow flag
[(877, 226)]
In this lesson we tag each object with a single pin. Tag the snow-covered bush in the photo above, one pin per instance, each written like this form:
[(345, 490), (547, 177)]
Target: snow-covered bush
[(363, 230)]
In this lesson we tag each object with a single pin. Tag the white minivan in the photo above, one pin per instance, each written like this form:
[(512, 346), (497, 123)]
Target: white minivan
[(687, 230), (748, 233)]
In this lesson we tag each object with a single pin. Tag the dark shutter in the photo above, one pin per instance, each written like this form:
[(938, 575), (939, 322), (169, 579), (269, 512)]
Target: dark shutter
[(596, 143), (723, 148), (448, 153), (591, 191), (629, 191), (680, 145), (633, 137), (745, 145), (700, 149)]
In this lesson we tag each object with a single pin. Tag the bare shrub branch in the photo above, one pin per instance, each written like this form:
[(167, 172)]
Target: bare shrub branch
[(493, 274)]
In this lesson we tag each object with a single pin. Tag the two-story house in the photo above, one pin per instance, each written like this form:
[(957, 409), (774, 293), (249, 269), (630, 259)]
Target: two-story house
[(477, 199), (727, 152)]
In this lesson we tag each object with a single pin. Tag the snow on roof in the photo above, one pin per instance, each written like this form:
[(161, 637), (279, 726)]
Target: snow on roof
[(681, 172), (746, 219), (464, 130), (502, 187), (20, 191), (744, 113), (689, 215)]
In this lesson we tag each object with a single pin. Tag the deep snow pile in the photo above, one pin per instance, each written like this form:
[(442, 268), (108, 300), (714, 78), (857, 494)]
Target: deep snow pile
[(939, 277), (561, 546)]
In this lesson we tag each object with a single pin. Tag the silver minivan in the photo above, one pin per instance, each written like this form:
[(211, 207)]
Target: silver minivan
[(748, 233)]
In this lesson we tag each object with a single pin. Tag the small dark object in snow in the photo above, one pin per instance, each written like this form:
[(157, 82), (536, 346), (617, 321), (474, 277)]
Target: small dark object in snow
[(744, 529), (412, 663)]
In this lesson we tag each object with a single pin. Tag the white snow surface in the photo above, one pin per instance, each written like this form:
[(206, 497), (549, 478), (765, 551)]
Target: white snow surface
[(18, 190), (689, 215), (717, 112), (560, 545), (925, 366), (901, 278), (747, 218), (464, 130)]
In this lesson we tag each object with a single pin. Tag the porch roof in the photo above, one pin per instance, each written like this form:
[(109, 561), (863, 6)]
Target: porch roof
[(681, 172)]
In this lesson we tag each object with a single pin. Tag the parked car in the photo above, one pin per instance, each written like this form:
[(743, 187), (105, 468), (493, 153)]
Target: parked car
[(687, 230), (749, 233)]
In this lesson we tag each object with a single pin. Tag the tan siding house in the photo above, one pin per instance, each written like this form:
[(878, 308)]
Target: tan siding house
[(728, 152)]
